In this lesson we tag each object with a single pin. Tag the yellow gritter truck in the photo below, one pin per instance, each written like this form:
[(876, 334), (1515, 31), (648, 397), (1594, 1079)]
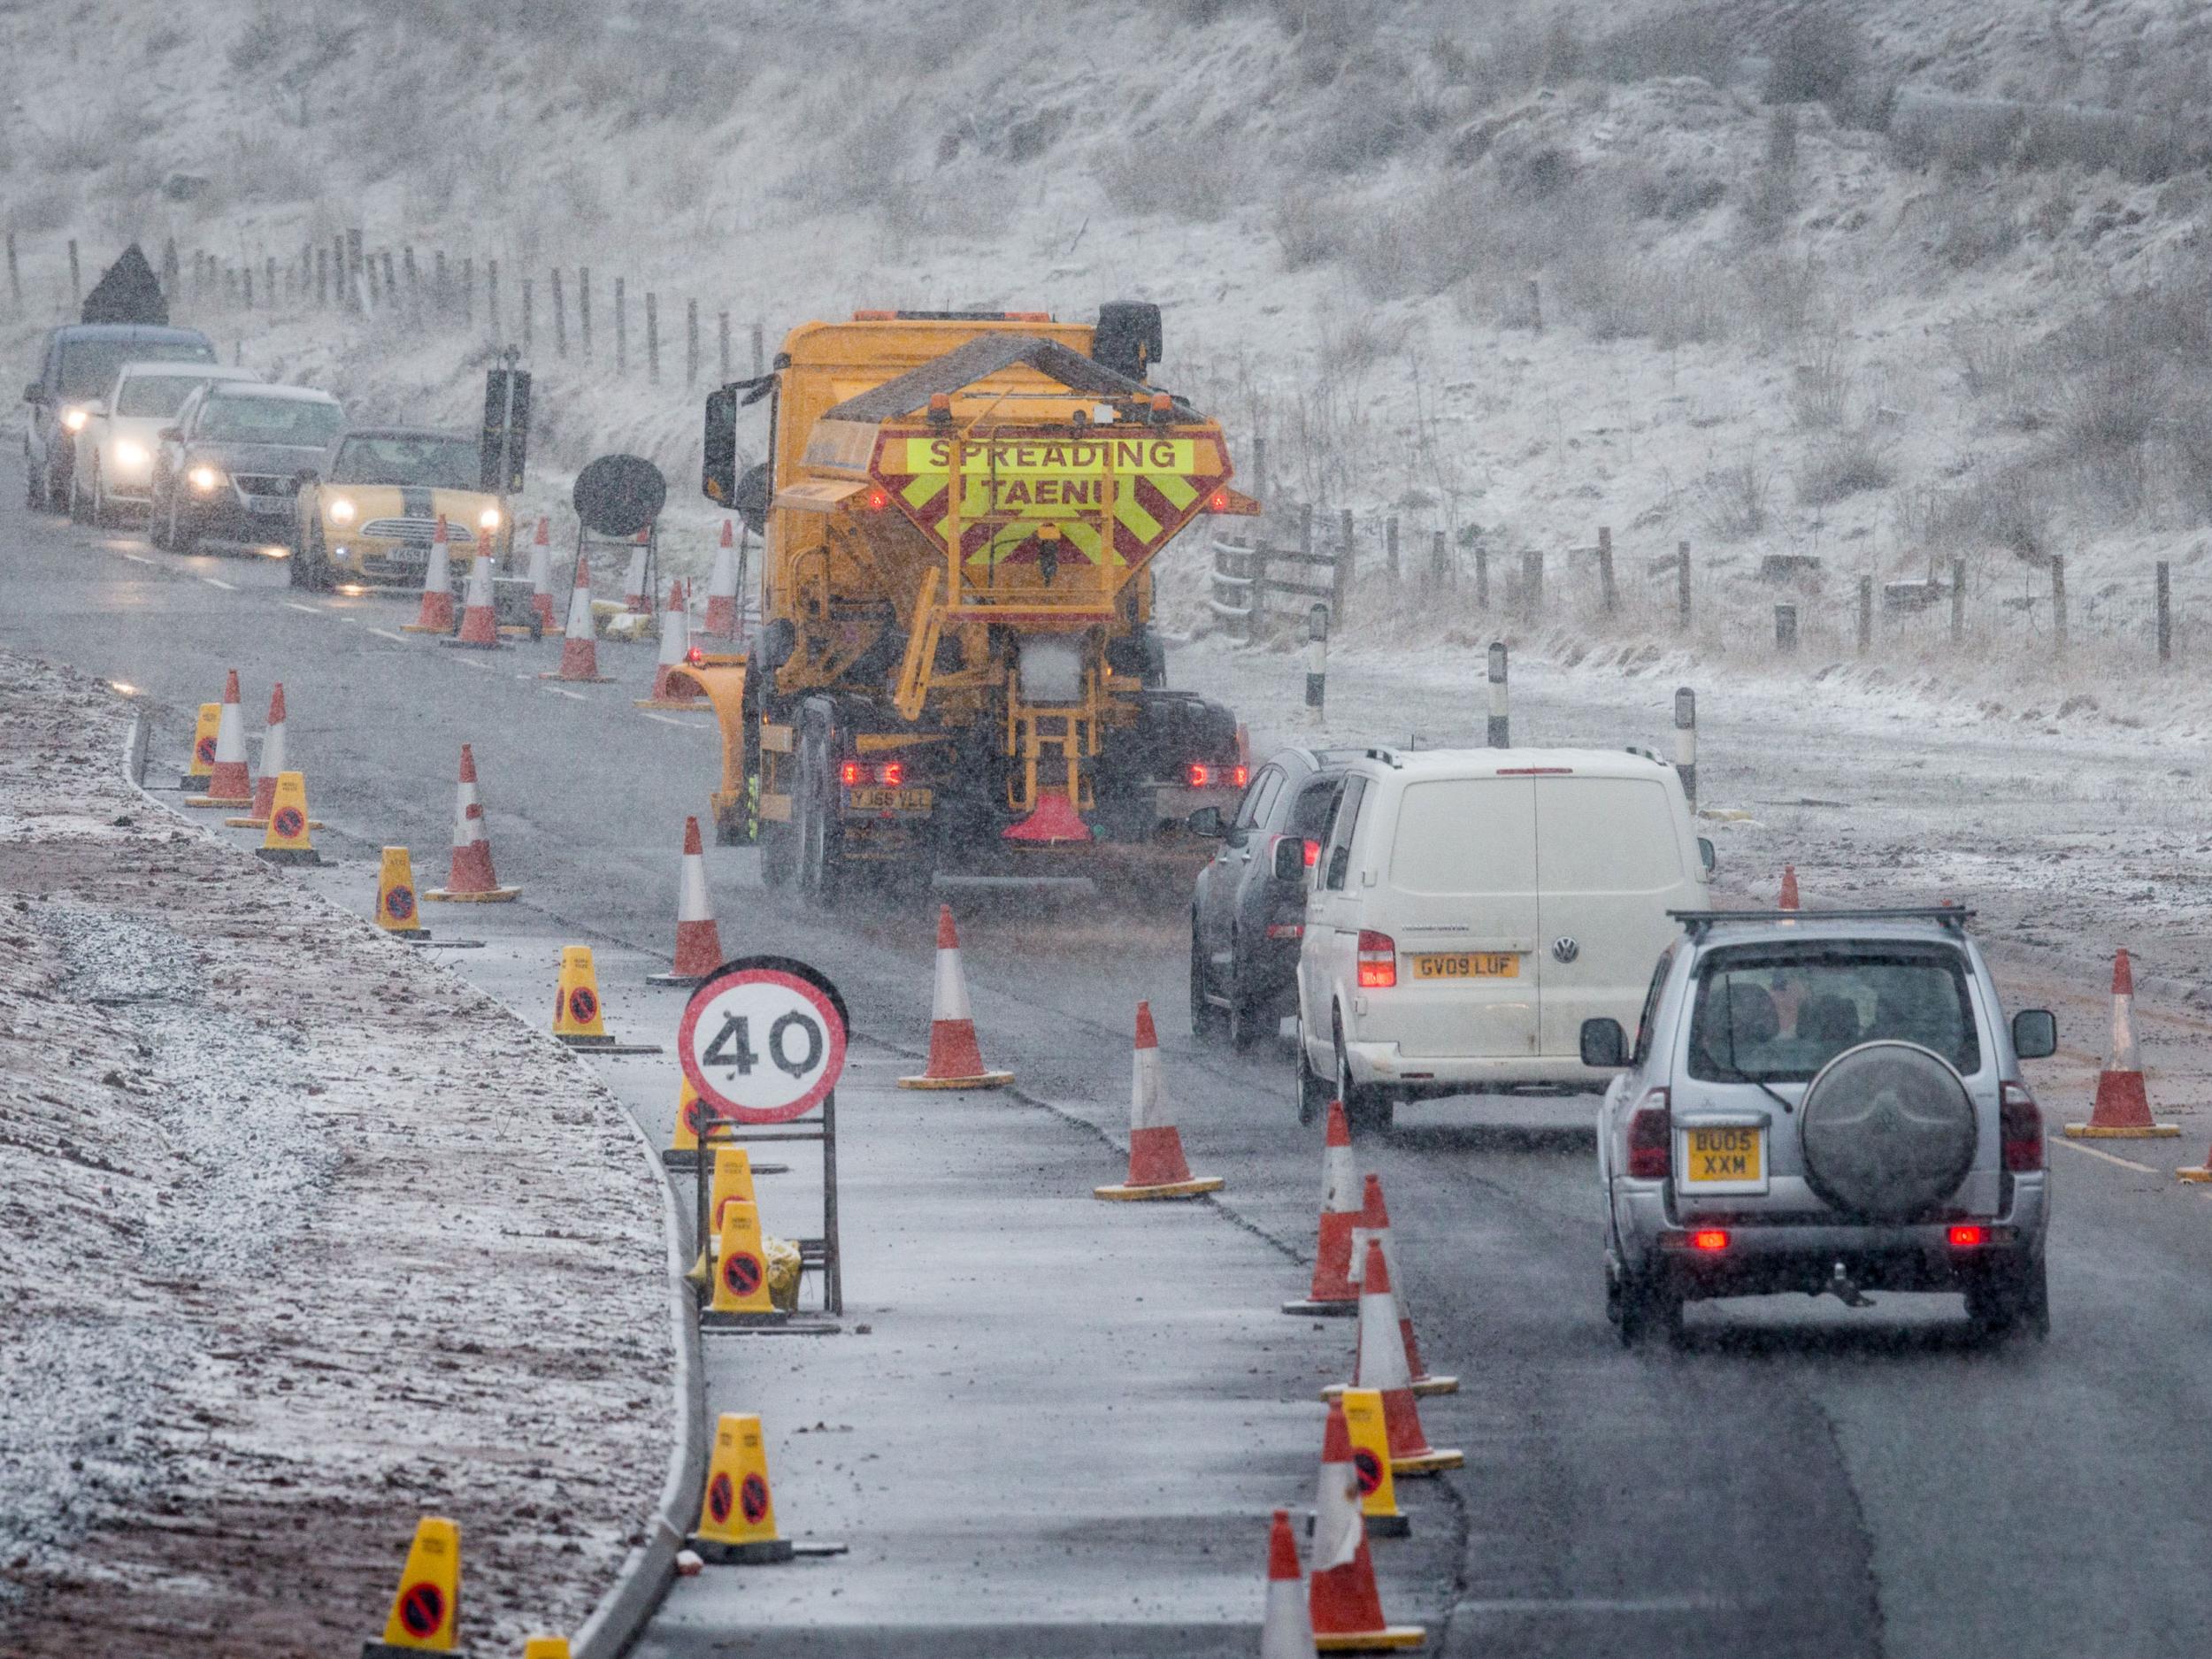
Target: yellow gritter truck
[(955, 669)]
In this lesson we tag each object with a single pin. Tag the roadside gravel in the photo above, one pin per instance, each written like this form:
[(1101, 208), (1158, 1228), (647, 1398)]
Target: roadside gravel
[(301, 1238)]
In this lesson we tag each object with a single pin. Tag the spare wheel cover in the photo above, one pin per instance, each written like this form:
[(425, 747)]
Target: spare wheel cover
[(1887, 1130)]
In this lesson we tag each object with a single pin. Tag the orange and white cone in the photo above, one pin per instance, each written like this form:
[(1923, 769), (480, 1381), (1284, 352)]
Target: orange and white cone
[(2122, 1109), (1286, 1625), (955, 1059), (229, 784), (721, 621), (1157, 1166), (1342, 1600), (470, 878), (1374, 1225), (1382, 1367), (674, 654), (1332, 1291), (272, 765), (1788, 900), (580, 643), (634, 595), (698, 943), (541, 575), (436, 614), (480, 611)]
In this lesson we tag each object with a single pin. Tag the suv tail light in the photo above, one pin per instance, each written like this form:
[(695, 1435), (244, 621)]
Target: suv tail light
[(1651, 1138), (2020, 1126), (1378, 961)]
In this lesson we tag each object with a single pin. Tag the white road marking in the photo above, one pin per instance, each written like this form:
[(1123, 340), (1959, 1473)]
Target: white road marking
[(217, 581), (138, 558), (669, 720), (562, 691), (2092, 1152), (386, 633), (313, 610)]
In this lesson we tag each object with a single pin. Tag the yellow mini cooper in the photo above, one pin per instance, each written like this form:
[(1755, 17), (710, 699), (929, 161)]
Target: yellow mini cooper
[(370, 515)]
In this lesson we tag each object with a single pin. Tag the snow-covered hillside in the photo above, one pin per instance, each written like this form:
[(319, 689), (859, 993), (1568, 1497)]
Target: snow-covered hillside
[(1888, 285)]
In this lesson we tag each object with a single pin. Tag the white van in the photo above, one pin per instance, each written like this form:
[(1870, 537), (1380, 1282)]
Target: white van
[(1472, 908)]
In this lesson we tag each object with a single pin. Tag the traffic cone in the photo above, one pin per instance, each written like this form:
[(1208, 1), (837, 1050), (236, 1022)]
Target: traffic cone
[(579, 642), (1788, 900), (1374, 1224), (1370, 1462), (1287, 1626), (2122, 1109), (1382, 1359), (436, 614), (579, 1017), (634, 595), (272, 763), (737, 1520), (1341, 1597), (228, 783), (955, 1059), (286, 841), (541, 575), (471, 880), (1157, 1166), (202, 766), (1333, 1292), (480, 611), (426, 1616), (396, 911), (741, 1297), (674, 653), (698, 943), (730, 1182), (721, 621)]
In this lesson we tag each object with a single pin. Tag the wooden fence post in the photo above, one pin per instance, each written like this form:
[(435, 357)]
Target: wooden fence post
[(1532, 583), (1958, 602), (76, 279), (391, 283), (441, 291), (722, 328), (560, 316), (340, 289), (1346, 557), (1438, 552), (691, 342), (369, 269), (353, 265), (1482, 576), (583, 309), (1390, 548), (1259, 469), (268, 279), (1608, 596), (15, 275), (1785, 628), (527, 319), (246, 280), (413, 276), (322, 275), (1682, 585), (652, 336), (491, 296), (621, 330), (468, 291), (1866, 614), (2058, 599), (2165, 613)]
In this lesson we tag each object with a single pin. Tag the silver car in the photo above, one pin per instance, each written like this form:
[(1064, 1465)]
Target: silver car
[(1824, 1102)]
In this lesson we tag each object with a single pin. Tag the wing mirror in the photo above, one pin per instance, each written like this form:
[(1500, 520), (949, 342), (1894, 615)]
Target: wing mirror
[(1604, 1043), (1294, 857), (1206, 822), (2035, 1034), (1705, 855)]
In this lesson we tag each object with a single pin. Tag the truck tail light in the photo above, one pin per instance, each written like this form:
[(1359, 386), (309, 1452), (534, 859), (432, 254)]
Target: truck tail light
[(851, 774), (1651, 1138), (891, 774), (2020, 1126), (1378, 961), (854, 774), (1202, 774)]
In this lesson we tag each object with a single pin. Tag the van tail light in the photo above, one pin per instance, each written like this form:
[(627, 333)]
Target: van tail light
[(1378, 961), (2020, 1126), (1651, 1138)]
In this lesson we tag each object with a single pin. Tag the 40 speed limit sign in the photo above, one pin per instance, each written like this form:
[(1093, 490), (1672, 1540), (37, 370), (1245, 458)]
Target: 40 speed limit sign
[(763, 1040)]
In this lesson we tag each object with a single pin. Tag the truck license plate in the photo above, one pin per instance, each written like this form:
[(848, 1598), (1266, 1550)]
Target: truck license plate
[(887, 800), (1497, 964), (1728, 1155)]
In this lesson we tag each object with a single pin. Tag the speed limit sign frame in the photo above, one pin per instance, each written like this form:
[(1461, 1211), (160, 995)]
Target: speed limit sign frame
[(811, 1116)]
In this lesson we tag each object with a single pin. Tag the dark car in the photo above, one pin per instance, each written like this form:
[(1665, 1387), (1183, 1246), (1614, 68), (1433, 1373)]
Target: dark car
[(230, 469), (1245, 922), (75, 372)]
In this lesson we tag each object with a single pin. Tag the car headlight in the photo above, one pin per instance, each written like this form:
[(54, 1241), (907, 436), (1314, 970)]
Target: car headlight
[(203, 479), (341, 511), (488, 519), (73, 420), (130, 452)]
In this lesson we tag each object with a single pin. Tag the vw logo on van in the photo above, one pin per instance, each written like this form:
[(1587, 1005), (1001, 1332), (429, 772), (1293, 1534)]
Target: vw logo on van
[(1564, 948)]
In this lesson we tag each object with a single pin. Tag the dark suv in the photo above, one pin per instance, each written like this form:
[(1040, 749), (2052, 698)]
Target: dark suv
[(75, 372), (1245, 921)]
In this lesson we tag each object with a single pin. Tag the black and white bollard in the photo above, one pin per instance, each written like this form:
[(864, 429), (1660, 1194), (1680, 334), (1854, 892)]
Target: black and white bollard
[(1501, 729), (1685, 741), (1316, 664)]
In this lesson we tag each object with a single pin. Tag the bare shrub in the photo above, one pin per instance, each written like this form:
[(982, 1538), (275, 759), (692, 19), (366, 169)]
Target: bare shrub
[(2112, 406), (1349, 347), (1185, 182), (1820, 390), (1309, 227), (1845, 465), (269, 165), (1784, 295), (83, 144), (1971, 231), (261, 42), (2013, 510), (1817, 55), (1367, 117), (1731, 501), (1987, 354)]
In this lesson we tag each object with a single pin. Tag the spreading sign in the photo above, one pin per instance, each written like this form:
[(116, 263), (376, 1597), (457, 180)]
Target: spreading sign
[(763, 1040)]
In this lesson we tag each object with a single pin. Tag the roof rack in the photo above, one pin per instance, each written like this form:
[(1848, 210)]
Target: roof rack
[(1951, 916)]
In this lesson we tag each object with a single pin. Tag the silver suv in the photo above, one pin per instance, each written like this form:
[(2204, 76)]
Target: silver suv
[(1823, 1101)]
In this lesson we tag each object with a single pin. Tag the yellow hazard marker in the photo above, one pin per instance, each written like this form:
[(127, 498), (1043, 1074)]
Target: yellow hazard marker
[(202, 766), (732, 1183), (682, 1152), (397, 912), (741, 1270), (426, 1615), (1370, 1462), (737, 1520), (545, 1647), (578, 1018), (286, 841)]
